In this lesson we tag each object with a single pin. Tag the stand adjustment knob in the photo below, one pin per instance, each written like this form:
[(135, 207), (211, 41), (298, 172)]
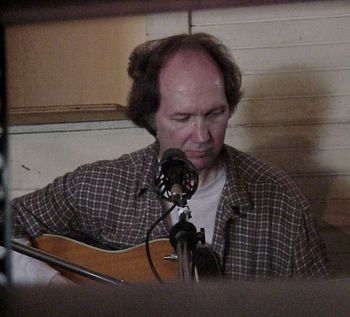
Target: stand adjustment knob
[(201, 236)]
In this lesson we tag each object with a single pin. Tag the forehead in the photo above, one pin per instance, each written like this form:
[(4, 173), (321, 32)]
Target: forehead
[(187, 62), (190, 82)]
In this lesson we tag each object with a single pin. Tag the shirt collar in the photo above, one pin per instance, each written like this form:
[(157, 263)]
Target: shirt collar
[(235, 191)]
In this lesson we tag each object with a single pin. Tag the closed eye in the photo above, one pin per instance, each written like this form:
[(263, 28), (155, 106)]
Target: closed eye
[(181, 118), (216, 112)]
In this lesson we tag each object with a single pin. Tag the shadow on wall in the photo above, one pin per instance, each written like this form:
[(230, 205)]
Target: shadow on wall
[(295, 134)]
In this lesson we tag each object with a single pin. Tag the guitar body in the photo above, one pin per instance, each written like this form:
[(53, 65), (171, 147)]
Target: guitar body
[(130, 265)]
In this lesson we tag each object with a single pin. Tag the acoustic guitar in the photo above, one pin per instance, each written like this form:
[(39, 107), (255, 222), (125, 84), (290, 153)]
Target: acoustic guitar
[(128, 265)]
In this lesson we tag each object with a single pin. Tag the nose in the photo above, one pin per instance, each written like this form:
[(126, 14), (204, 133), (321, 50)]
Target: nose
[(200, 131)]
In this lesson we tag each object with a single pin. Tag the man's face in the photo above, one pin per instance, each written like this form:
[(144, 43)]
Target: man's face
[(193, 111)]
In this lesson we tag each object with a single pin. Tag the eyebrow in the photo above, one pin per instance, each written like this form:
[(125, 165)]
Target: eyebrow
[(218, 107), (179, 113), (175, 114)]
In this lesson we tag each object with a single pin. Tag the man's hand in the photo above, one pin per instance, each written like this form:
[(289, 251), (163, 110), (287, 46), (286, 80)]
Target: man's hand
[(59, 280)]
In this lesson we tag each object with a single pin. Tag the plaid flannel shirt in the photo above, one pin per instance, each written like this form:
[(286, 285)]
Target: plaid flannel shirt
[(262, 227)]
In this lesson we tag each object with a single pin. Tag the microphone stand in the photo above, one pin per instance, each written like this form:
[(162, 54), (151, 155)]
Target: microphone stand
[(183, 237), (176, 179)]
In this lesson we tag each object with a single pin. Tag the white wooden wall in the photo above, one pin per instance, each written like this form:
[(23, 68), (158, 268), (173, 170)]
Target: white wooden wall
[(295, 112), (38, 154)]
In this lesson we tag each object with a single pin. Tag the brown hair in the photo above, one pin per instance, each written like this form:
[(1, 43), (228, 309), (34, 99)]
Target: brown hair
[(147, 59)]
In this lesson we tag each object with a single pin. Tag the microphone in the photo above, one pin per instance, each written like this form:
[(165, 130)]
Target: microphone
[(176, 179)]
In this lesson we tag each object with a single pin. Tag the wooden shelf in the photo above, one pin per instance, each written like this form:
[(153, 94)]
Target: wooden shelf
[(66, 113)]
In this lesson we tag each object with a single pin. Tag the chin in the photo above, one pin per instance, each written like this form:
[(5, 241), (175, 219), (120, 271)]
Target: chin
[(201, 164)]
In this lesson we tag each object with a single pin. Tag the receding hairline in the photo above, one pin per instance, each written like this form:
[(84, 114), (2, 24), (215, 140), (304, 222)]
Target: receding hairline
[(183, 55), (189, 51)]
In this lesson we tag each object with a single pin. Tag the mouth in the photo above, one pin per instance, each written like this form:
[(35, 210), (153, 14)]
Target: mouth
[(198, 154)]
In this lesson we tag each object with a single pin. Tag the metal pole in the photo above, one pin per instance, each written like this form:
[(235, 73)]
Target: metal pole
[(5, 220), (53, 260), (184, 263)]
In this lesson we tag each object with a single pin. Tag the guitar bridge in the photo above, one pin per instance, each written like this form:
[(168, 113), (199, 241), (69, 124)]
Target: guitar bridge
[(172, 257)]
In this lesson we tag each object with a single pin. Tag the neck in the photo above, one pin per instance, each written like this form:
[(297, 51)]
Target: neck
[(207, 174)]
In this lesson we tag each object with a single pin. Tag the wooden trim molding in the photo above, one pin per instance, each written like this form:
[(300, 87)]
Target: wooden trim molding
[(65, 113), (29, 11)]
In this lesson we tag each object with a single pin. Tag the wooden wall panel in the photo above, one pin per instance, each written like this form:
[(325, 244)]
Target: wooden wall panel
[(295, 111), (291, 11), (36, 158), (297, 57), (160, 25), (296, 83), (325, 187), (277, 32), (56, 69), (333, 213), (307, 161), (284, 110), (289, 136)]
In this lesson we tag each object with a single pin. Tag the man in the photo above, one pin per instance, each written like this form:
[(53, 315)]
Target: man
[(185, 88)]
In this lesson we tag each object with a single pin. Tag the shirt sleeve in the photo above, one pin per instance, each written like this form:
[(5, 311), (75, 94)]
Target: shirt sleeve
[(309, 252), (48, 210)]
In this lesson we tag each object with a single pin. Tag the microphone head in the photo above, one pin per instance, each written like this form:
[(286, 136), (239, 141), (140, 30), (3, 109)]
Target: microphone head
[(174, 154), (176, 179)]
